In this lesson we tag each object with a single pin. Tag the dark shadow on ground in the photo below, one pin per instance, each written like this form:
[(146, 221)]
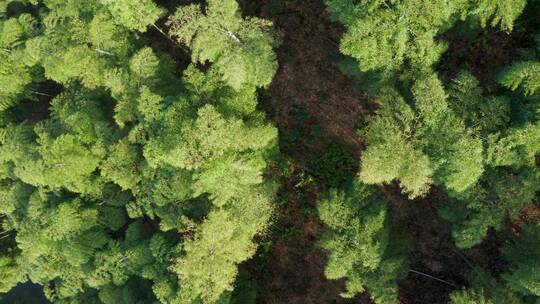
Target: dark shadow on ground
[(27, 293)]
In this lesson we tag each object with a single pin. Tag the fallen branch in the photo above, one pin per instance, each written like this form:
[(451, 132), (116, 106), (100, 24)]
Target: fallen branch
[(42, 94), (432, 277)]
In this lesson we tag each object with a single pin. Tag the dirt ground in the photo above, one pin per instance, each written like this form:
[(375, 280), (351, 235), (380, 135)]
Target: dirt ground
[(313, 105)]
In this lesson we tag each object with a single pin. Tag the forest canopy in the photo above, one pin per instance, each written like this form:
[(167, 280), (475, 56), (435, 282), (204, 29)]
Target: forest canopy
[(145, 157), (136, 183)]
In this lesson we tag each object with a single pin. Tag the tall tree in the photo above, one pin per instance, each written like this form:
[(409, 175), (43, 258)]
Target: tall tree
[(363, 248), (421, 143), (239, 48), (474, 146)]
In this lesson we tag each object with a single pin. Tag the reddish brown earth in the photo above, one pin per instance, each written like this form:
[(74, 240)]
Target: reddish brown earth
[(309, 95), (308, 75), (437, 266)]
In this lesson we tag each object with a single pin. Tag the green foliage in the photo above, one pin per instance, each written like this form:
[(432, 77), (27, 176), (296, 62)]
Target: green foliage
[(136, 186), (524, 74), (361, 245), (484, 290), (500, 12), (223, 241), (523, 254), (480, 146), (420, 144), (122, 165), (61, 158), (463, 141), (387, 35), (126, 180), (333, 167), (487, 113), (500, 193), (394, 159), (134, 16), (510, 179), (239, 48), (14, 33), (245, 292)]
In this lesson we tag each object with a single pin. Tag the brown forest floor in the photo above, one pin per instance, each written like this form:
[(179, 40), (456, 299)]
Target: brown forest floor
[(314, 106)]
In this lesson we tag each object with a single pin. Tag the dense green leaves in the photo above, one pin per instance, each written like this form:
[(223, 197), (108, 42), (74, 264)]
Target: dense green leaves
[(386, 35), (524, 273), (361, 244), (134, 165), (475, 141), (484, 290), (14, 33), (134, 16), (518, 285), (136, 186), (239, 48), (476, 146), (421, 144), (501, 12), (510, 148), (524, 75)]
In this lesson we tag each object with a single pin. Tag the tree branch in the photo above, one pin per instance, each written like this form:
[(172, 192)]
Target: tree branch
[(42, 94), (104, 52), (233, 36), (432, 277)]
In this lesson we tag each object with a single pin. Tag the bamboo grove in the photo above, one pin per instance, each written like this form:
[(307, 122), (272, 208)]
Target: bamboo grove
[(129, 174)]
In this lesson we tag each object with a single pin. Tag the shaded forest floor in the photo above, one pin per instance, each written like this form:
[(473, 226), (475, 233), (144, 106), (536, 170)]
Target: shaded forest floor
[(317, 110)]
